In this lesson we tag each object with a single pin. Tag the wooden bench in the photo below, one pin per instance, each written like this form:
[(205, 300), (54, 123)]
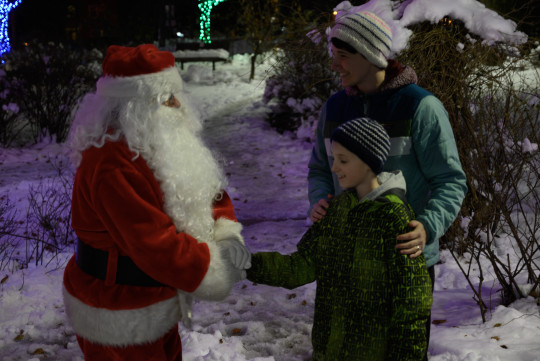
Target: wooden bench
[(188, 59)]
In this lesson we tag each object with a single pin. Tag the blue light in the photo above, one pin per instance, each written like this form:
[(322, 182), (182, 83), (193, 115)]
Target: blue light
[(5, 8)]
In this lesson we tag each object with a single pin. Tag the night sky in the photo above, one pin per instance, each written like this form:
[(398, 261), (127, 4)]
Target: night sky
[(37, 19), (133, 21), (129, 20), (46, 20)]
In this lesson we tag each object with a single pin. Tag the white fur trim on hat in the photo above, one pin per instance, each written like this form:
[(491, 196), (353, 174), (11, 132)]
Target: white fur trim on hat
[(121, 327), (146, 85)]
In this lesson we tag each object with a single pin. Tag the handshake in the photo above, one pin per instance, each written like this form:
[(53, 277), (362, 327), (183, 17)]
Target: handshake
[(235, 253)]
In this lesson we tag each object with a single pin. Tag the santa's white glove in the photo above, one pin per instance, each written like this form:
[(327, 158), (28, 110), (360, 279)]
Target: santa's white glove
[(235, 252)]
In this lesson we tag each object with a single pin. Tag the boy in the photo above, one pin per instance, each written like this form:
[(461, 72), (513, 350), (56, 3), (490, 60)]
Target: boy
[(372, 303)]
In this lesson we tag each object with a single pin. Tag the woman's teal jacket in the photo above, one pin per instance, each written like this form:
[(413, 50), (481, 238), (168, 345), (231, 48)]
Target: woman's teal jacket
[(422, 147)]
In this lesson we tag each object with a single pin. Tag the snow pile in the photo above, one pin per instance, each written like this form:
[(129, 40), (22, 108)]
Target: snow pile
[(478, 19)]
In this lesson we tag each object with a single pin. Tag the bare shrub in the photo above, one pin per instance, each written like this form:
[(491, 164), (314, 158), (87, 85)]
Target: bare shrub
[(301, 79), (495, 118), (8, 240), (300, 86), (48, 217), (263, 22), (44, 232), (48, 80), (10, 126)]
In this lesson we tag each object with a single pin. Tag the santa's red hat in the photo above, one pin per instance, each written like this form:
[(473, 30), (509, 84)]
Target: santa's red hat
[(141, 71)]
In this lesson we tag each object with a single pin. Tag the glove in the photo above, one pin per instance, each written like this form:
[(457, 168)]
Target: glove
[(236, 252)]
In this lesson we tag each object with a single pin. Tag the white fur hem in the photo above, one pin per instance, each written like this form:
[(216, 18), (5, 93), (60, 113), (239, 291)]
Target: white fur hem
[(165, 81), (121, 327), (219, 279), (227, 229)]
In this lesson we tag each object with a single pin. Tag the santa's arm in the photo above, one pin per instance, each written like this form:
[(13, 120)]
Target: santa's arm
[(226, 232), (134, 217)]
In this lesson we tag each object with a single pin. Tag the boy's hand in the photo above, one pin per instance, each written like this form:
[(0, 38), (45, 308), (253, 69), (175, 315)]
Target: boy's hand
[(319, 209), (416, 240)]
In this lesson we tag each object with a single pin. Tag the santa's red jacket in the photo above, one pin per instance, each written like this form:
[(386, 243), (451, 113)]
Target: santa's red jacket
[(117, 207)]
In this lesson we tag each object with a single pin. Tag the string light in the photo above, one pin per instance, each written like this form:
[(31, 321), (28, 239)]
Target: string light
[(5, 8), (205, 6)]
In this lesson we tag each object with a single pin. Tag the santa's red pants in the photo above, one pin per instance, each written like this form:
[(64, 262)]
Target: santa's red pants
[(167, 348)]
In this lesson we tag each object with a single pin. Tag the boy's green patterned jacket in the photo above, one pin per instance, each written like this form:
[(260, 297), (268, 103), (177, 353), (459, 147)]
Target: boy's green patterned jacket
[(371, 303)]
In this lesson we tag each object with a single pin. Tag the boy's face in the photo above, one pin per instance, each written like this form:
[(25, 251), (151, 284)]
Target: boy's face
[(351, 171), (354, 69)]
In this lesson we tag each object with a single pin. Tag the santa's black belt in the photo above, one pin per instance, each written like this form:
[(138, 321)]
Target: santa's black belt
[(94, 262)]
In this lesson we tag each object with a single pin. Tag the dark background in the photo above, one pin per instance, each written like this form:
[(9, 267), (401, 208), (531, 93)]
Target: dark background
[(98, 23)]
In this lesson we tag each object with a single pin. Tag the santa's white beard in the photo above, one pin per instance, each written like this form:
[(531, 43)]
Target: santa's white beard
[(186, 169)]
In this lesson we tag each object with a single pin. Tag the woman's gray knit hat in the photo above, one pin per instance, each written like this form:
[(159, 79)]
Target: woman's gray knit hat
[(367, 33), (367, 139)]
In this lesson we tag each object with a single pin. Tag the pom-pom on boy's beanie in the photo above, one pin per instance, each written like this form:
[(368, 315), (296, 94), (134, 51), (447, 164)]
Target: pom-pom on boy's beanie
[(367, 139), (367, 33)]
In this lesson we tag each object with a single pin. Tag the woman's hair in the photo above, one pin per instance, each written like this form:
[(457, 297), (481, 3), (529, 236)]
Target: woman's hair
[(340, 44)]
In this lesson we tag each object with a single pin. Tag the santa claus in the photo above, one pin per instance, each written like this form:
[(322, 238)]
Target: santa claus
[(149, 209)]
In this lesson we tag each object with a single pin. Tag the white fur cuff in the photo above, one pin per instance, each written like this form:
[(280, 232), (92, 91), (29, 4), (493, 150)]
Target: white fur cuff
[(219, 279), (226, 229)]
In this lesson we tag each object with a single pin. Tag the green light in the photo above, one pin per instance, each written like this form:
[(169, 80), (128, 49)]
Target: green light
[(206, 8)]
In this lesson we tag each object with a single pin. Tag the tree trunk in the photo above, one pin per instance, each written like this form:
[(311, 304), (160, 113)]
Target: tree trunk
[(253, 60)]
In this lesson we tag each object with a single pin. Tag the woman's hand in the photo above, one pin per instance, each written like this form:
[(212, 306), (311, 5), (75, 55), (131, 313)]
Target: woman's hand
[(319, 209), (416, 240)]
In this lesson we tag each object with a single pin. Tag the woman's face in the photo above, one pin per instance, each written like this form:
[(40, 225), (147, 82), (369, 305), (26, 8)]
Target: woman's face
[(354, 69)]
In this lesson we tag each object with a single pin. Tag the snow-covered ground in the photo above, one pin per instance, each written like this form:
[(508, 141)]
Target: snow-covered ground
[(267, 173)]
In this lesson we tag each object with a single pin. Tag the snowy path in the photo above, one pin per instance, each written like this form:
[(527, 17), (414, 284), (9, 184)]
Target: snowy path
[(274, 165), (273, 212)]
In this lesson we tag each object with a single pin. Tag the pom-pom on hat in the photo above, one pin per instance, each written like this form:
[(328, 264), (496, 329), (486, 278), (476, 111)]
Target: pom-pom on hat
[(141, 71), (367, 33), (367, 139)]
